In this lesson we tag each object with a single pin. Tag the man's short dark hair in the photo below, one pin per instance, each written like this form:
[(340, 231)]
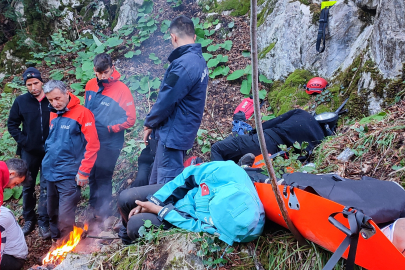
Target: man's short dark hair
[(20, 168), (102, 62), (182, 26)]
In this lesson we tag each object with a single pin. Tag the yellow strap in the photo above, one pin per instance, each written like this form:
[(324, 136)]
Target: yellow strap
[(327, 4)]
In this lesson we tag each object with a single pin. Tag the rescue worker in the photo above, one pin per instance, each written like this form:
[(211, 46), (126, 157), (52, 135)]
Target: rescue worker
[(216, 197), (177, 113), (112, 104), (70, 153), (31, 109)]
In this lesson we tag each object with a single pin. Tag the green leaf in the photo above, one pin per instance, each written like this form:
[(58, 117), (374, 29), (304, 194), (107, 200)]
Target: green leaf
[(207, 56), (213, 63), (248, 69), (206, 148), (113, 42), (56, 75), (246, 54), (219, 71), (262, 94), (374, 117), (268, 117), (153, 57), (213, 48), (100, 49), (7, 194), (246, 87), (227, 45), (196, 21), (231, 24), (204, 42), (142, 231), (209, 32), (354, 69), (396, 167), (215, 22), (165, 26), (148, 223), (129, 54), (78, 87), (207, 25), (263, 78), (207, 7), (297, 145), (97, 41), (236, 75), (87, 65), (200, 32)]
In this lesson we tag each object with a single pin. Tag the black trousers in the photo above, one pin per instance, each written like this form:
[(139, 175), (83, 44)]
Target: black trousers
[(9, 262), (126, 202), (168, 164), (145, 165), (63, 197), (100, 180), (29, 198), (233, 148)]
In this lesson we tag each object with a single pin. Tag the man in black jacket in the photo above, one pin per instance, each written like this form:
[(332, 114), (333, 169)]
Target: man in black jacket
[(31, 109), (288, 128)]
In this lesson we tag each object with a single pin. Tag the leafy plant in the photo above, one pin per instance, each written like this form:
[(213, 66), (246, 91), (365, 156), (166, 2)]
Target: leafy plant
[(221, 70), (215, 61), (131, 54), (175, 3), (211, 249), (154, 58)]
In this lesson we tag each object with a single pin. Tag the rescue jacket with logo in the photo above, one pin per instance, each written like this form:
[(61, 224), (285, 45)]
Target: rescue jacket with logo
[(177, 113), (34, 116), (72, 143), (113, 107), (216, 197)]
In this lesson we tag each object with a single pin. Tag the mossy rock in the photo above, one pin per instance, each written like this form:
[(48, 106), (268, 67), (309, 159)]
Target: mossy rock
[(266, 11), (238, 7), (283, 97), (7, 89), (266, 50), (19, 53)]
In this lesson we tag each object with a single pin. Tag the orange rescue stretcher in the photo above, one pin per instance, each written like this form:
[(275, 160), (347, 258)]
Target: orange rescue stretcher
[(310, 214)]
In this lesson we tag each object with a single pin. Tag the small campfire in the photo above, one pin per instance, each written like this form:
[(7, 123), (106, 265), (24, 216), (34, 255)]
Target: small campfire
[(57, 255)]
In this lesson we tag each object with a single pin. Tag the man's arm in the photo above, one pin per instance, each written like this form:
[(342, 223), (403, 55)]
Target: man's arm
[(93, 145), (175, 87), (13, 124), (127, 103)]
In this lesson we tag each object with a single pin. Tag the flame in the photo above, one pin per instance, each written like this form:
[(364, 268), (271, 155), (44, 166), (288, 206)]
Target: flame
[(57, 255)]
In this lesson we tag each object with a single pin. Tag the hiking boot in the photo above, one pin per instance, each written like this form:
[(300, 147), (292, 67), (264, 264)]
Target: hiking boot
[(28, 227), (247, 160), (44, 232)]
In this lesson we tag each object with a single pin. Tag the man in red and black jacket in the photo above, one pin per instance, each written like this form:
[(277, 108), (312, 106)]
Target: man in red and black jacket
[(71, 150), (112, 104)]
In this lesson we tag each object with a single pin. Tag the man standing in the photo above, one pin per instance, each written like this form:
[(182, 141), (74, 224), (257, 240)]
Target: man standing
[(71, 150), (113, 107), (31, 109), (177, 113)]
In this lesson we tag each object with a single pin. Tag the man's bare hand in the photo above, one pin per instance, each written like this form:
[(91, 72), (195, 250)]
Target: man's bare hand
[(148, 207), (135, 211), (146, 134)]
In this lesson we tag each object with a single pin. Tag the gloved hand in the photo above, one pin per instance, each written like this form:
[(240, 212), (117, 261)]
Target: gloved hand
[(81, 180)]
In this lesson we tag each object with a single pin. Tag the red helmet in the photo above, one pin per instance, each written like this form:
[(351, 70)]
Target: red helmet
[(316, 85)]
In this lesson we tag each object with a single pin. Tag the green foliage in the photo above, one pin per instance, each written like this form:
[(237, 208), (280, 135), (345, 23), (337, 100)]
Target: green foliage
[(211, 249), (154, 58), (131, 54), (215, 61), (207, 56), (175, 3), (239, 73), (56, 74), (12, 193), (284, 96), (221, 70), (375, 117), (204, 139), (164, 27), (264, 79)]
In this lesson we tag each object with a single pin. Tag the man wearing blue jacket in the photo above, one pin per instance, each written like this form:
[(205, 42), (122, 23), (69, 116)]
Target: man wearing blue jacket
[(216, 197), (177, 113)]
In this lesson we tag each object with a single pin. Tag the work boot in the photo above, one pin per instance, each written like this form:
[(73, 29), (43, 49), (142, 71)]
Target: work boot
[(28, 227), (247, 160), (44, 232)]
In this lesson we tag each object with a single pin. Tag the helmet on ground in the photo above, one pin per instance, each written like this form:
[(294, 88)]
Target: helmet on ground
[(316, 85)]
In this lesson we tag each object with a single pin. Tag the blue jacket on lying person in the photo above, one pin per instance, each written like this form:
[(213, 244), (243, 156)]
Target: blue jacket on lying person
[(216, 197)]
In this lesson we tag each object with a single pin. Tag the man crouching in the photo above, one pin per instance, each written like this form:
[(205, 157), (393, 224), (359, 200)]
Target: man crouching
[(70, 153)]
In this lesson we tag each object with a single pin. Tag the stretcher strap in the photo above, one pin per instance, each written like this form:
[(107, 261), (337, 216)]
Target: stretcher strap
[(356, 221)]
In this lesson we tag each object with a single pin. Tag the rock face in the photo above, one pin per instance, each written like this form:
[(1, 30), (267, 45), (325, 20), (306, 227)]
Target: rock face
[(355, 26), (128, 13)]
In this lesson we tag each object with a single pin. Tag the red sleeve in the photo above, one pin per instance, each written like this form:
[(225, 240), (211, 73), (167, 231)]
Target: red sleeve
[(127, 103), (93, 145)]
